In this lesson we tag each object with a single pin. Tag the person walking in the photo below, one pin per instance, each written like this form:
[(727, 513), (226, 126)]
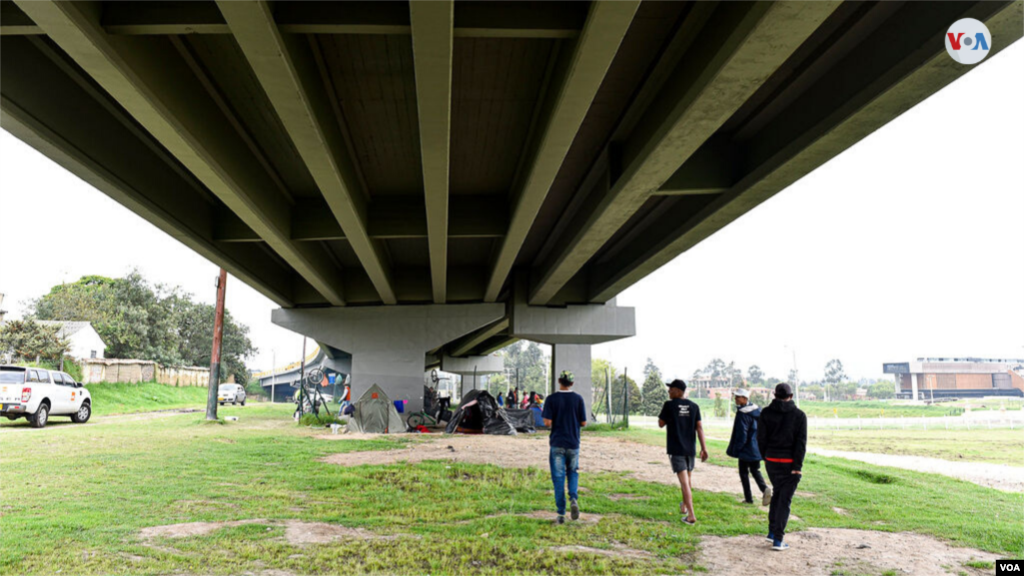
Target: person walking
[(501, 400), (743, 446), (681, 420), (565, 413), (782, 437)]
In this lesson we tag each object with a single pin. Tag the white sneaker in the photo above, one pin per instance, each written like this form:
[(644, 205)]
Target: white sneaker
[(766, 498), (780, 547)]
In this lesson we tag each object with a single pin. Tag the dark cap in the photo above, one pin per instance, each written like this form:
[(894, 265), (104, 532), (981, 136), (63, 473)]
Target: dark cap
[(783, 390), (677, 383)]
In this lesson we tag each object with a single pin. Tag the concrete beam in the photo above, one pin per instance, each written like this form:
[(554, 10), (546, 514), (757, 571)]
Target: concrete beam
[(432, 24), (97, 141), (480, 365), (290, 79), (606, 25), (472, 20), (857, 96), (734, 54), (153, 84), (467, 344), (395, 217)]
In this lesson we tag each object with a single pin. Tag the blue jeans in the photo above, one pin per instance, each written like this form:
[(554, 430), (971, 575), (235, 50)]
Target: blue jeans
[(564, 462)]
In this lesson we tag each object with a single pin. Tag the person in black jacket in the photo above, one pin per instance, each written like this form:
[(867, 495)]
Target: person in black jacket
[(743, 446), (782, 436)]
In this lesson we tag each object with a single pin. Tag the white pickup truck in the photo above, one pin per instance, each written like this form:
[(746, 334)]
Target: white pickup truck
[(37, 394)]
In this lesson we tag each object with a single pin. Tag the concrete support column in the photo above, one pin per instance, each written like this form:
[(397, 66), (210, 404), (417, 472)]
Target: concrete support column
[(913, 386), (576, 359), (389, 344)]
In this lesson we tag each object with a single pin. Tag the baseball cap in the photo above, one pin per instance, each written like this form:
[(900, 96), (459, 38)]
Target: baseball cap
[(566, 378), (677, 383), (783, 390), (742, 392)]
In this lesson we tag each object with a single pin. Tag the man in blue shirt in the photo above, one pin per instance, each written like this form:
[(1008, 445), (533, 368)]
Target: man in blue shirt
[(565, 413)]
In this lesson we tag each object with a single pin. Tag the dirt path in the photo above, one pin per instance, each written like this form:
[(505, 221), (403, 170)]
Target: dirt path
[(641, 461), (998, 476), (826, 551)]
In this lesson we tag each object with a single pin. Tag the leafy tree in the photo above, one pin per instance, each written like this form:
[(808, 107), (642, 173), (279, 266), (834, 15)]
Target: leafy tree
[(771, 382), (755, 375), (29, 340), (148, 322), (715, 369), (654, 392), (532, 364), (720, 407), (882, 390), (734, 374), (834, 374)]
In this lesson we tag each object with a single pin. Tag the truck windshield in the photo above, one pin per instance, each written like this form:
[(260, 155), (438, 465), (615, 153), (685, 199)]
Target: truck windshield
[(12, 376)]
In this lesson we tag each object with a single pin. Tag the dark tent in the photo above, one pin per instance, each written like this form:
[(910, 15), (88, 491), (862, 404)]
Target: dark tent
[(479, 413), (521, 420)]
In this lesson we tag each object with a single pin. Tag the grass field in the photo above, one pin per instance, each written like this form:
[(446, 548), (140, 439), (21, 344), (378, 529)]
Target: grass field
[(887, 408), (121, 398), (993, 446), (86, 491)]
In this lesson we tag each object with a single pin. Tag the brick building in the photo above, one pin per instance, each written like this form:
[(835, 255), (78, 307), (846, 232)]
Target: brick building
[(957, 377)]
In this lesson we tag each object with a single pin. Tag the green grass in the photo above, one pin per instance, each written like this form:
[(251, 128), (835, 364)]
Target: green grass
[(114, 477), (887, 408), (108, 398), (1002, 446)]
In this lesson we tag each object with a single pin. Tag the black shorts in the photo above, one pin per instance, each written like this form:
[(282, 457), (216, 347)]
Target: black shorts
[(681, 463)]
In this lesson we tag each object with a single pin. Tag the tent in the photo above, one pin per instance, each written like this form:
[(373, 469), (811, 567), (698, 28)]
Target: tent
[(375, 413), (479, 413), (521, 419)]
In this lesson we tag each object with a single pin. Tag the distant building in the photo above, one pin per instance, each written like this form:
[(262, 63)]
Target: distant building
[(85, 341), (283, 381), (957, 377), (708, 382)]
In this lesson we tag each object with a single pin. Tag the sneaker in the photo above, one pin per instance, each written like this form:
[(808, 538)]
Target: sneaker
[(574, 510), (766, 498), (560, 519), (770, 537), (780, 546)]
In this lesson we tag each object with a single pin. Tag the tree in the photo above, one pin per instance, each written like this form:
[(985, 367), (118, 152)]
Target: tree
[(755, 375), (148, 322), (531, 362), (30, 340), (794, 377), (720, 409), (882, 390), (734, 374), (654, 392), (834, 374)]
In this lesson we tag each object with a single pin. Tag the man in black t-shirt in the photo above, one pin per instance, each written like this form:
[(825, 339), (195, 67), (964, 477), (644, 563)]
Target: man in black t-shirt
[(681, 420)]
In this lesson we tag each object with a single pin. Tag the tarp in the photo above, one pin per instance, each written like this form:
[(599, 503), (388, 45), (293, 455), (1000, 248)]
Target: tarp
[(479, 413), (522, 420), (375, 413)]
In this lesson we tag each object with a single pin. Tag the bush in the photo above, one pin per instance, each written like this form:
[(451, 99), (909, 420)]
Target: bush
[(324, 420)]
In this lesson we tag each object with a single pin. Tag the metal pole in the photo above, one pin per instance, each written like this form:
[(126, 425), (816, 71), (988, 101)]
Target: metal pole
[(608, 393), (302, 379), (218, 334), (273, 374), (625, 396)]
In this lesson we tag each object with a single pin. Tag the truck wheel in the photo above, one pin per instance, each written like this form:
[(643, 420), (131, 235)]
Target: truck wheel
[(83, 414), (243, 402), (221, 403), (41, 417)]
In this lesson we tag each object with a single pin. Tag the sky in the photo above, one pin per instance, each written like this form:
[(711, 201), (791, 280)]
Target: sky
[(908, 244)]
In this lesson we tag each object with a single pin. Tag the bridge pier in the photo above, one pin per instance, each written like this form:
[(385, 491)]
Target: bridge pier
[(389, 344)]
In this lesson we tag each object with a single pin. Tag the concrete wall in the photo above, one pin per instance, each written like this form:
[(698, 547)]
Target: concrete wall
[(135, 371)]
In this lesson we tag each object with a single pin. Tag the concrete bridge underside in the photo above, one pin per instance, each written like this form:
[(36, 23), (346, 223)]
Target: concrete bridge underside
[(452, 176)]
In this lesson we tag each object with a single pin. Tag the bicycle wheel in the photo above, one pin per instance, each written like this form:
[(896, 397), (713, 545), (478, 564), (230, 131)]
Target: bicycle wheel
[(415, 420)]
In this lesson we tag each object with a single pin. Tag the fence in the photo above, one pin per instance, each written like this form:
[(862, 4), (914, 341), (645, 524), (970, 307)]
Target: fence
[(97, 370)]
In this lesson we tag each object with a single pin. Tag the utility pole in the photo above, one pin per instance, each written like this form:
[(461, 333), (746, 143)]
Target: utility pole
[(218, 334), (273, 374)]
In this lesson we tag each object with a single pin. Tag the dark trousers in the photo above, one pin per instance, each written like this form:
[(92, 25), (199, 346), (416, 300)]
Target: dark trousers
[(784, 483), (753, 467)]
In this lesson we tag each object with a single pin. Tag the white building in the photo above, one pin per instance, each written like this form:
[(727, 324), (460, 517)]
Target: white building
[(85, 341)]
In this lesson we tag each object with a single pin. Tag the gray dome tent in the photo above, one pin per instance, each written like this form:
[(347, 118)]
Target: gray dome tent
[(478, 410), (375, 413)]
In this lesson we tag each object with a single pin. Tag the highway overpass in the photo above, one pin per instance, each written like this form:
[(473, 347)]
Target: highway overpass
[(410, 181)]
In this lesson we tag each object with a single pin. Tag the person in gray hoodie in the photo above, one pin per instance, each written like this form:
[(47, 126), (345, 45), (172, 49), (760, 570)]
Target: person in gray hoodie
[(743, 446)]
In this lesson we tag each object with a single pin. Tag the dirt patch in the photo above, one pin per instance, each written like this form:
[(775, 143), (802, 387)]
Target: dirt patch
[(617, 550), (823, 551), (639, 461), (296, 532), (840, 511), (617, 497)]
